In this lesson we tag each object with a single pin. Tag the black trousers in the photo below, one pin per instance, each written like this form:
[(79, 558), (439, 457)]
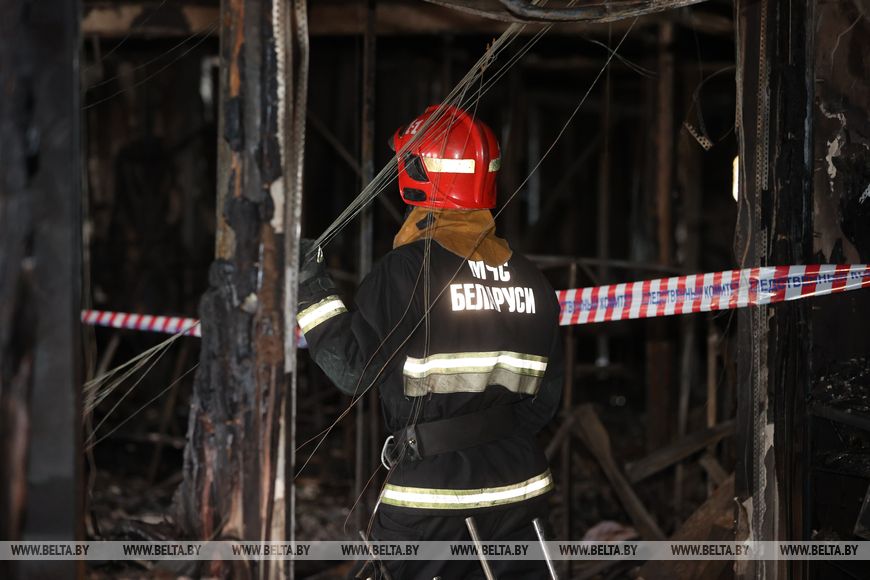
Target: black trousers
[(507, 523)]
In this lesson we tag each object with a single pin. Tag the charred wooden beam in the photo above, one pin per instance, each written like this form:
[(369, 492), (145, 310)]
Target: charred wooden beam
[(659, 349), (231, 458), (603, 12), (681, 449), (835, 107), (597, 441), (712, 521), (40, 278), (17, 312), (775, 81), (113, 19), (715, 471), (148, 20), (754, 479)]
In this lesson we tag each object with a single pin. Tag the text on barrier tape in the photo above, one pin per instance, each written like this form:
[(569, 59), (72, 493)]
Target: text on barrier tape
[(706, 292)]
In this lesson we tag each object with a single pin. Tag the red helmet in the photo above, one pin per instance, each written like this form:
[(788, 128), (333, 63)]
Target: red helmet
[(452, 166)]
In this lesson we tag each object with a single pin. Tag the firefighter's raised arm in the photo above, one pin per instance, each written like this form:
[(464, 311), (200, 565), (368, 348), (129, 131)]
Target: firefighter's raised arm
[(354, 347)]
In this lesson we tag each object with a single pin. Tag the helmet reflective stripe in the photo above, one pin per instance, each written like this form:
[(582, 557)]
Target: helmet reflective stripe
[(460, 150), (436, 165)]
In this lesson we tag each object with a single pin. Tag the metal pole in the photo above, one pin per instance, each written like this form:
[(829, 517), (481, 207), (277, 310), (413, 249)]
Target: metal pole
[(602, 358), (539, 531), (567, 404), (533, 191), (377, 561), (472, 529), (366, 234), (665, 140)]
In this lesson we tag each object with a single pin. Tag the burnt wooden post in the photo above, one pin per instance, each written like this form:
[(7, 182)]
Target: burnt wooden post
[(822, 157), (659, 350), (40, 265), (231, 458), (755, 480), (775, 227)]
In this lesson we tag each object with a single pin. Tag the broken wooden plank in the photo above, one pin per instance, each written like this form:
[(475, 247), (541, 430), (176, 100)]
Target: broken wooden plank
[(714, 469), (596, 439), (561, 435), (667, 456), (713, 520)]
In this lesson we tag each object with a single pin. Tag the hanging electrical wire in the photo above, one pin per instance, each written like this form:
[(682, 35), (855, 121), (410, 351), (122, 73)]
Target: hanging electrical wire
[(383, 179), (320, 437), (205, 36)]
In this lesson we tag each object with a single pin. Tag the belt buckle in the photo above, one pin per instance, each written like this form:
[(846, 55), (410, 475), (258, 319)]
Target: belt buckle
[(412, 444)]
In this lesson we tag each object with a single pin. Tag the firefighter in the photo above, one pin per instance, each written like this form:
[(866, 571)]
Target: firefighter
[(460, 336)]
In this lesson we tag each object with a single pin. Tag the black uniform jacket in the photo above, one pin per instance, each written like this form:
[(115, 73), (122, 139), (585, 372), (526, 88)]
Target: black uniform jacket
[(441, 336)]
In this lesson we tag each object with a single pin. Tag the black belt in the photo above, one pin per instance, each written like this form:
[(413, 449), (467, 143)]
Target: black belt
[(422, 440)]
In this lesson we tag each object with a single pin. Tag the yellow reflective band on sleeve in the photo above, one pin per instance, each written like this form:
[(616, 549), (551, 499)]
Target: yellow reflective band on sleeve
[(428, 498), (436, 165), (495, 164), (320, 312)]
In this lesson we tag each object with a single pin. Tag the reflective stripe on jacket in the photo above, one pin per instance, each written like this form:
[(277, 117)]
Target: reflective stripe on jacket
[(440, 336)]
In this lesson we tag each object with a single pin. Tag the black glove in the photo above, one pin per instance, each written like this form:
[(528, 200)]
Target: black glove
[(314, 282), (311, 264)]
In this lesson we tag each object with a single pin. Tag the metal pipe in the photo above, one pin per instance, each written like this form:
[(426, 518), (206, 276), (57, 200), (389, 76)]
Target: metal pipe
[(472, 529), (539, 531), (568, 412)]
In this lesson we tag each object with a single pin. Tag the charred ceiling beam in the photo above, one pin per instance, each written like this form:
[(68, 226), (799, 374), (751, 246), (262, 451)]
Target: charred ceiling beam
[(704, 22), (148, 20), (599, 12), (154, 19)]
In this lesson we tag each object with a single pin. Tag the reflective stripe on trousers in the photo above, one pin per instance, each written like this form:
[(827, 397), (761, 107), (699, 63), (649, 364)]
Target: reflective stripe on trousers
[(429, 498)]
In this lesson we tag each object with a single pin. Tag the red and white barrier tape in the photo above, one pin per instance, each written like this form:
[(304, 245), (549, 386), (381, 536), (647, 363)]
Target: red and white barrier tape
[(149, 323), (706, 292), (145, 322), (647, 299)]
